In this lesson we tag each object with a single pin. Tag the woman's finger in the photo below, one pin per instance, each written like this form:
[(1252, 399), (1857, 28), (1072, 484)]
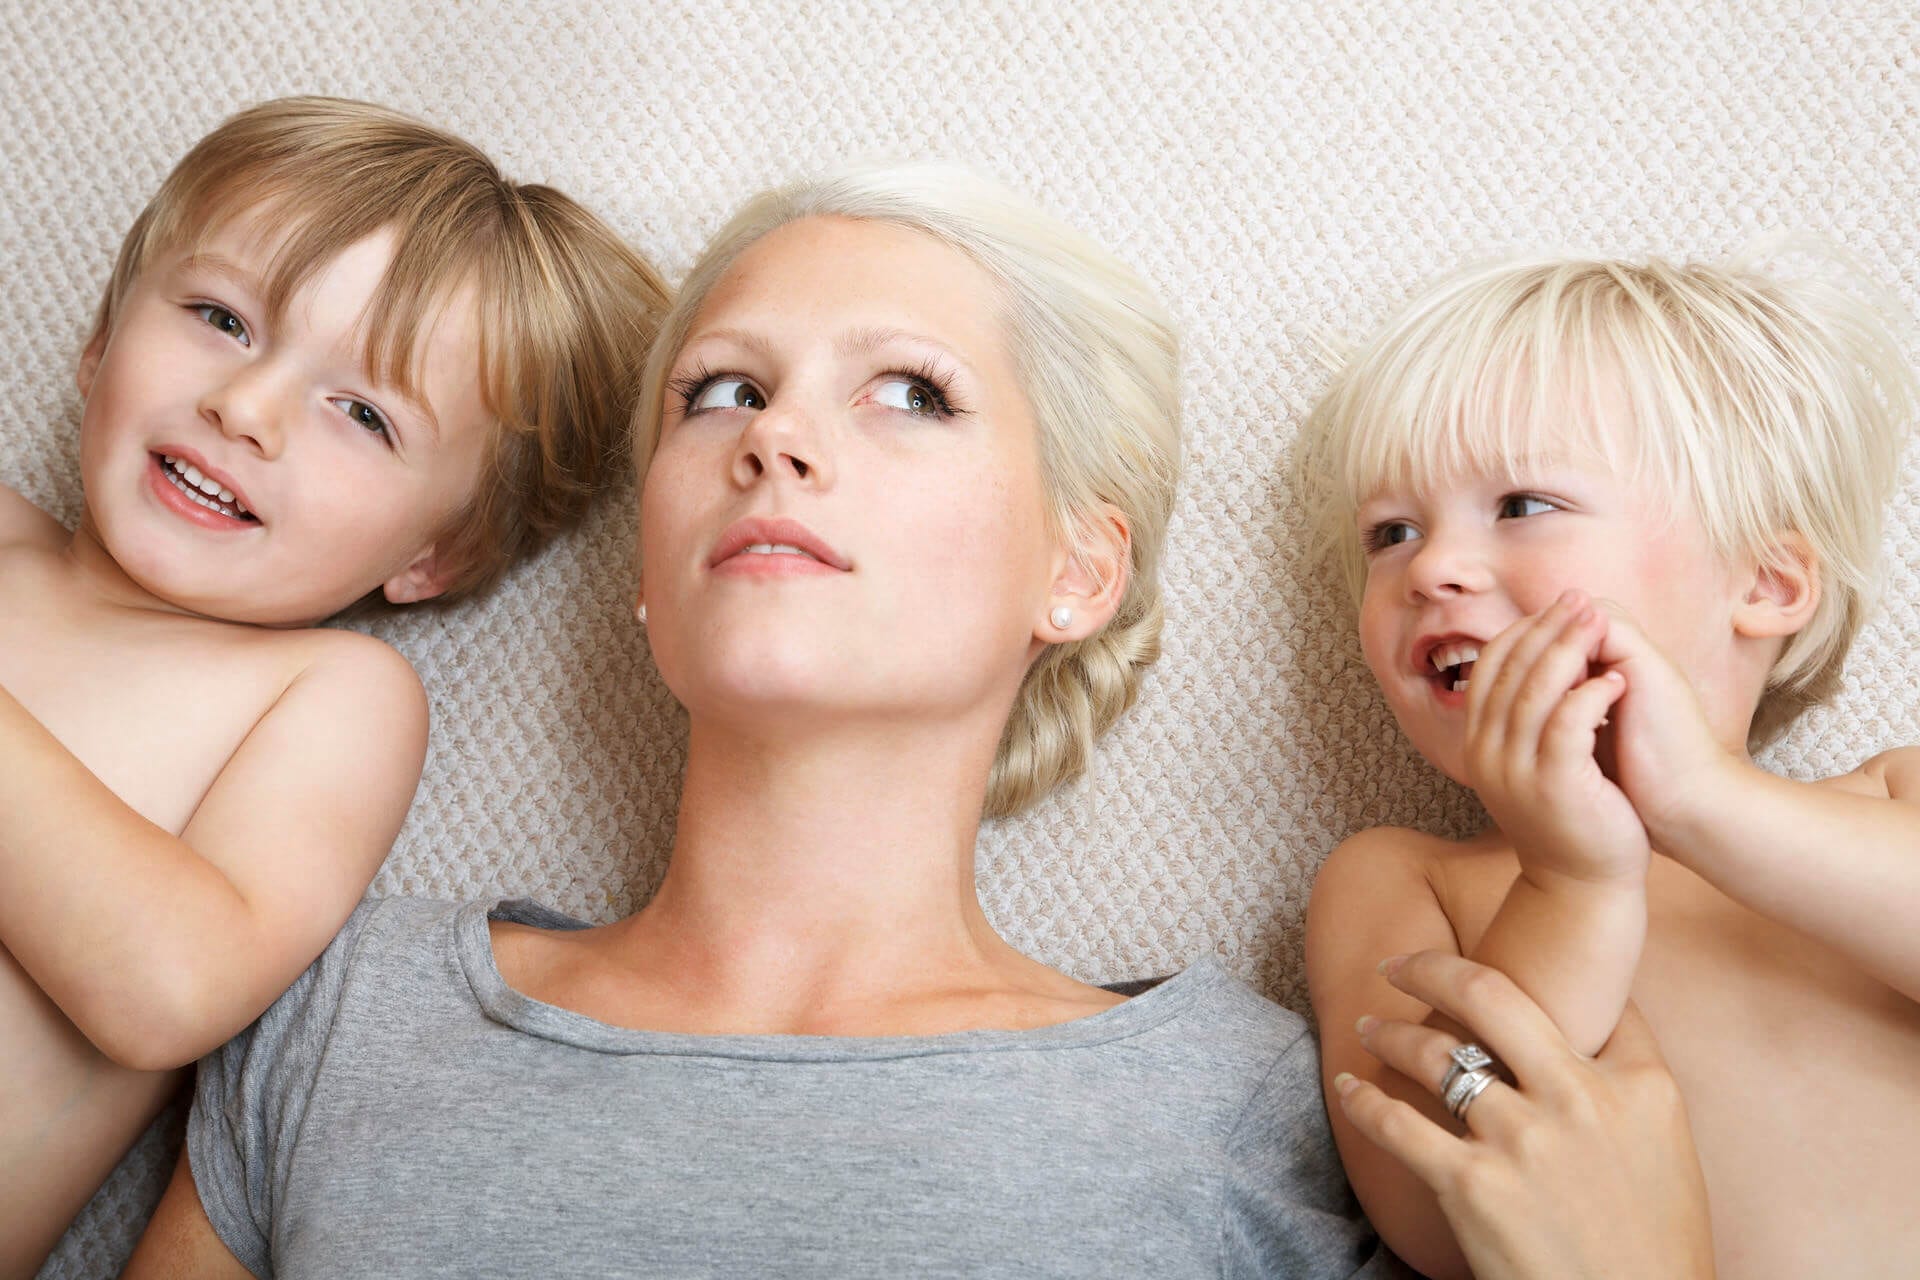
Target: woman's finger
[(1491, 1007), (1400, 1130), (1424, 1055)]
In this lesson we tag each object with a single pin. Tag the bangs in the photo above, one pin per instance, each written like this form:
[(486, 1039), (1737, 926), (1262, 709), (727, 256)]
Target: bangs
[(1496, 382), (436, 253)]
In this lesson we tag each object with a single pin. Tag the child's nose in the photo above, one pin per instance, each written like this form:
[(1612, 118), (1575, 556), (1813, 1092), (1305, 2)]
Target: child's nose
[(782, 441), (249, 406), (1447, 564)]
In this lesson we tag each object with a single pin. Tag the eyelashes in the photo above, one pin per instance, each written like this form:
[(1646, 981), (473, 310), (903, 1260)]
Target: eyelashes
[(927, 377)]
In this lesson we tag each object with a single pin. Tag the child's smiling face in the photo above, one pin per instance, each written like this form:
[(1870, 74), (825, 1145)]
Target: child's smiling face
[(1453, 562), (250, 467)]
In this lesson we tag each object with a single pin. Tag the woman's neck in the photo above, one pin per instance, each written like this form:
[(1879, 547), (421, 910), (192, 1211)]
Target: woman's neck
[(825, 881)]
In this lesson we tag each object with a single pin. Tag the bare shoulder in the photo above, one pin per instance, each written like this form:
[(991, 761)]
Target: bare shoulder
[(1382, 865), (24, 524), (1891, 775), (1377, 888), (353, 680)]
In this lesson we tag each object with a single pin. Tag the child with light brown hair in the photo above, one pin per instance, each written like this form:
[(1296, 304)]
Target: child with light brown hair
[(1608, 524), (340, 358)]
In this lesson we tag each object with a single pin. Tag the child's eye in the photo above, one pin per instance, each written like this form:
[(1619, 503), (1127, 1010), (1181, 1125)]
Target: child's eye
[(365, 415), (1516, 506), (916, 396), (223, 320), (725, 392), (1389, 533)]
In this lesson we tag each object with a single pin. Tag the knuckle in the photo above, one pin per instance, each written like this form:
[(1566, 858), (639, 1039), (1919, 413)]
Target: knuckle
[(1479, 1184), (1482, 987)]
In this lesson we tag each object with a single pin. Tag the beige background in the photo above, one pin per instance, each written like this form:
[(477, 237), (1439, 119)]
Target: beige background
[(1277, 170)]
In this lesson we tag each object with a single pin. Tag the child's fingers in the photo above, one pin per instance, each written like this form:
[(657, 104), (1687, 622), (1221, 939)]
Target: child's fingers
[(1557, 668), (1400, 1130), (1574, 726), (1495, 1012), (1511, 657), (1488, 690)]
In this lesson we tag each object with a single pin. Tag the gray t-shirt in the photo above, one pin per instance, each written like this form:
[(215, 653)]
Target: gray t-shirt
[(401, 1111)]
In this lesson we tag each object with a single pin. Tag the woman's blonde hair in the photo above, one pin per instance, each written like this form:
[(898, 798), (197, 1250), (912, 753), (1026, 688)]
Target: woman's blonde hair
[(1098, 361), (567, 309), (1769, 406)]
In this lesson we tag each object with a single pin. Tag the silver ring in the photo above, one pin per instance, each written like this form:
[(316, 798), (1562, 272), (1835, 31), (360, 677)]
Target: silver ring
[(1470, 1085), (1466, 1057)]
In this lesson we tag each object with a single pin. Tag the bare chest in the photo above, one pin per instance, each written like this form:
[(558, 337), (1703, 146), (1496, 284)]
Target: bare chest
[(1799, 1073), (154, 706)]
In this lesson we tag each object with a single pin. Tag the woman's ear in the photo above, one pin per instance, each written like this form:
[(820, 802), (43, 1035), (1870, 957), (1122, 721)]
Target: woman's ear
[(1784, 593), (1090, 577)]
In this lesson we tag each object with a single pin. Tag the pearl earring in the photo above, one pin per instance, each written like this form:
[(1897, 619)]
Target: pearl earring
[(1061, 617), (640, 613)]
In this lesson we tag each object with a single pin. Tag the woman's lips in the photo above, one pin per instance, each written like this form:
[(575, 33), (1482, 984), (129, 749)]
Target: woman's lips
[(761, 545)]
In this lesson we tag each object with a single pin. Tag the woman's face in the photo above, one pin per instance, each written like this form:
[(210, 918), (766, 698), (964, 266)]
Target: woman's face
[(844, 515)]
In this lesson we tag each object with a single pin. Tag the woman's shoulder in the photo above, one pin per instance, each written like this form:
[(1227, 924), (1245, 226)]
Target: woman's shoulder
[(1228, 1039)]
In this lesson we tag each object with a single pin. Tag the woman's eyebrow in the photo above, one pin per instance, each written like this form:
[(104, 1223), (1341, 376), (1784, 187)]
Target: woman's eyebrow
[(865, 342), (744, 338)]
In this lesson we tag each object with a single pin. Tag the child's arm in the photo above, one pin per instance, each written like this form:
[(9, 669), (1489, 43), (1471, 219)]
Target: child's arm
[(1569, 932), (1374, 897), (1571, 928), (160, 947), (1839, 861)]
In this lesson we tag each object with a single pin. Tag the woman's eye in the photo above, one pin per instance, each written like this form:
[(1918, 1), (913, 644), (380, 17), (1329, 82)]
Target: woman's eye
[(365, 415), (726, 393), (910, 396), (1516, 506), (223, 320), (1390, 533)]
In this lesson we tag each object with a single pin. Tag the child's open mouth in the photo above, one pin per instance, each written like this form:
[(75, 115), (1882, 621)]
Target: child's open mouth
[(204, 491), (1453, 665)]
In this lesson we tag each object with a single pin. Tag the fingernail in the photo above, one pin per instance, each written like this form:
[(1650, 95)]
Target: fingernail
[(1366, 1024), (1343, 1083), (1391, 965), (1616, 677)]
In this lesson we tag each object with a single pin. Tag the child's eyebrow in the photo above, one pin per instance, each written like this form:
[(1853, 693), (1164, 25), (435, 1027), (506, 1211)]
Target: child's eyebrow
[(213, 264)]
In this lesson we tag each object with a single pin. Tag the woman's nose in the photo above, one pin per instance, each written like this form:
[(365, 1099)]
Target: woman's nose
[(782, 442)]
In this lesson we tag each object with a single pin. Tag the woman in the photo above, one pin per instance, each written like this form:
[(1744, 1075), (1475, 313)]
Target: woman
[(908, 452)]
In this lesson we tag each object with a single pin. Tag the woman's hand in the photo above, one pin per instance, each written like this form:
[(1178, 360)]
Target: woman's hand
[(1581, 1168)]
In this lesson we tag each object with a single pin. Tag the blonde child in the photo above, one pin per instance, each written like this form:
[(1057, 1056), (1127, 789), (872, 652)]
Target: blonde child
[(339, 356), (1607, 524)]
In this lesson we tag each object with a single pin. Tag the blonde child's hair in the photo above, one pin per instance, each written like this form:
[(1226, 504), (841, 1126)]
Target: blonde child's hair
[(567, 310), (1765, 405), (1099, 362)]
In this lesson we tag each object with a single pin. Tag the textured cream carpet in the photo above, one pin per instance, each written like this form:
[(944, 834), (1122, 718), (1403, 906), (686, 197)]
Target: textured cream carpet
[(1277, 170)]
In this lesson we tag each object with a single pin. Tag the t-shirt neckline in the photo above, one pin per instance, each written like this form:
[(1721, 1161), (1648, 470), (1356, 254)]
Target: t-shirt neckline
[(509, 1007)]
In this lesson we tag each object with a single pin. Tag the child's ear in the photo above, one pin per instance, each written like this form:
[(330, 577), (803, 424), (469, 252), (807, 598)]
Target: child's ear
[(1784, 593), (430, 574), (90, 361), (1090, 577)]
